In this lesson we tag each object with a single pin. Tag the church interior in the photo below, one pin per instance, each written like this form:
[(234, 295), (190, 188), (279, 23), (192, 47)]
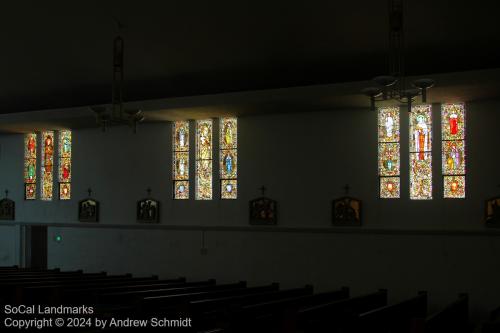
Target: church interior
[(320, 166)]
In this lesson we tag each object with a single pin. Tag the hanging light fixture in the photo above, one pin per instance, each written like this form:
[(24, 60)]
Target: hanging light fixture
[(393, 86), (118, 115)]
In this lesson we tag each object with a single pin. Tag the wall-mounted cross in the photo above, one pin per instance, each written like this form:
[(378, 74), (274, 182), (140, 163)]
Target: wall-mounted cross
[(149, 191), (346, 189), (89, 190), (6, 193), (263, 189)]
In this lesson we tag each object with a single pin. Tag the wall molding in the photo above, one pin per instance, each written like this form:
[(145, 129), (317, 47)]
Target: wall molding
[(269, 229)]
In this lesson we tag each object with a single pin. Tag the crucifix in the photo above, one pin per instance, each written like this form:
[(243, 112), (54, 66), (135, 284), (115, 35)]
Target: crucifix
[(6, 193), (263, 190), (89, 190), (149, 191), (346, 189)]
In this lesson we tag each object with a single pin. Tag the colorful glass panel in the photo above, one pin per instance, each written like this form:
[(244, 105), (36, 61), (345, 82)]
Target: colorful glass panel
[(65, 166), (228, 157), (421, 152), (47, 169), (204, 159), (390, 187), (454, 187), (30, 144), (389, 152), (453, 154), (180, 159)]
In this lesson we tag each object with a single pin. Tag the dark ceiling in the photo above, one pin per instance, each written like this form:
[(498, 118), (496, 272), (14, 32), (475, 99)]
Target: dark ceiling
[(58, 54)]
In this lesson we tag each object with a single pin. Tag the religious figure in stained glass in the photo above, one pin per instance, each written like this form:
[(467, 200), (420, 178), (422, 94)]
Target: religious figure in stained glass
[(204, 159), (228, 157), (453, 150), (421, 152), (47, 165), (65, 164), (388, 152), (180, 167), (30, 144)]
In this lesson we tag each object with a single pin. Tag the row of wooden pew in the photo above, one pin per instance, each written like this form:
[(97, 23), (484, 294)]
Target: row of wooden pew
[(231, 307)]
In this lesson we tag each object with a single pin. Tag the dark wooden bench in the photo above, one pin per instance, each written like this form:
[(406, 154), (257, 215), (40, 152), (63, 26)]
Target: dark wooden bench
[(453, 318), (493, 325), (399, 317)]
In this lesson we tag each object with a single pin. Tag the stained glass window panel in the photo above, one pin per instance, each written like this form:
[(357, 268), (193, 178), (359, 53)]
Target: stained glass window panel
[(453, 154), (203, 183), (180, 159), (453, 121), (65, 166), (229, 189), (389, 152), (47, 169), (390, 187), (421, 152), (228, 157), (30, 144), (420, 176), (453, 157), (389, 159), (454, 187), (388, 124)]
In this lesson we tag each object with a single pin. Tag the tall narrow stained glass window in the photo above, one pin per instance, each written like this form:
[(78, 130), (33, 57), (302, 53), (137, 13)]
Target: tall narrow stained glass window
[(64, 165), (180, 159), (389, 152), (30, 144), (421, 152), (228, 145), (47, 170), (203, 183), (453, 149)]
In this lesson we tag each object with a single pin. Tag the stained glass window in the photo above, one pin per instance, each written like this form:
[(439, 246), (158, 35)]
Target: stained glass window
[(64, 165), (180, 159), (204, 159), (453, 149), (228, 144), (421, 152), (30, 144), (47, 170), (389, 152)]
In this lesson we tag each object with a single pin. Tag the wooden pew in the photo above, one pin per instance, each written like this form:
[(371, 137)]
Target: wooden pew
[(277, 314), (493, 325), (453, 318), (398, 317), (337, 313)]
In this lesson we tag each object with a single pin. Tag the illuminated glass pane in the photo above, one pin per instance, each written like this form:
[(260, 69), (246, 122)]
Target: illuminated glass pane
[(64, 191), (388, 124), (30, 191), (420, 152), (47, 165), (65, 167), (204, 139), (181, 189), (228, 164), (228, 133), (420, 176), (204, 180), (229, 189), (180, 137), (388, 159), (454, 186), (453, 121), (453, 157), (389, 187), (30, 146), (181, 166), (30, 170), (421, 129)]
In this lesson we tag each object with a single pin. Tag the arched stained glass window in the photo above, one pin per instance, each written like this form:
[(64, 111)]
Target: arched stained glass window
[(203, 184), (65, 166), (47, 170)]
